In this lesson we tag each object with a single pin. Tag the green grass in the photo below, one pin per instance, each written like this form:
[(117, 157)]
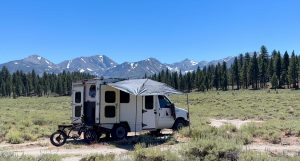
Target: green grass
[(243, 104), (279, 110), (25, 119), (99, 157), (44, 157)]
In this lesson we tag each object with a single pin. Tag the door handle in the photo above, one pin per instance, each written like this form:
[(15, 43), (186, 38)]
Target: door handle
[(155, 112)]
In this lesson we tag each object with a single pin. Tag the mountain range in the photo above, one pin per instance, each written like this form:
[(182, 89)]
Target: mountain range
[(102, 65)]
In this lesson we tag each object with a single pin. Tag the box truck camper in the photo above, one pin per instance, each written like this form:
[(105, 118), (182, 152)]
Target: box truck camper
[(115, 107)]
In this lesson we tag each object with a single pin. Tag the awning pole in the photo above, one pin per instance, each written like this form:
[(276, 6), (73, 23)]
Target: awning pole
[(135, 115), (188, 106)]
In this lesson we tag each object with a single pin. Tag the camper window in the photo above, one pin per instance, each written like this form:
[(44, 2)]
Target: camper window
[(78, 97), (124, 97), (77, 111), (110, 97), (92, 91), (148, 102), (110, 111), (164, 102)]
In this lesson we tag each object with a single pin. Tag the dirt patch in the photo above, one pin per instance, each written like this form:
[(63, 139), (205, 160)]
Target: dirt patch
[(75, 150), (235, 122), (277, 149), (290, 145)]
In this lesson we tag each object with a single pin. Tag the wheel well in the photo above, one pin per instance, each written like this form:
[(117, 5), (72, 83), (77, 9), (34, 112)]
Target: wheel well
[(180, 118), (177, 119)]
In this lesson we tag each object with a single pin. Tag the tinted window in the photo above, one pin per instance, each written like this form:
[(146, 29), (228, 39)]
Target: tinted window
[(148, 102), (110, 111), (77, 111), (110, 97), (124, 97), (164, 102), (78, 97), (92, 91)]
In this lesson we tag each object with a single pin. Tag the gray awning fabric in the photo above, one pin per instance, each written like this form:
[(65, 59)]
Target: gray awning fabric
[(144, 87)]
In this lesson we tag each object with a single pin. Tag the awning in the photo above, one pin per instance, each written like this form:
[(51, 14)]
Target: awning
[(144, 87)]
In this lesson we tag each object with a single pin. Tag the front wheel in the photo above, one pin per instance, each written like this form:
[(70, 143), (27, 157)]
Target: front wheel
[(179, 124), (58, 138)]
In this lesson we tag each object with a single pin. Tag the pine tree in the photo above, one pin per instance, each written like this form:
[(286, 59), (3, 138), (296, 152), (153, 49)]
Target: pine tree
[(235, 73), (224, 79), (285, 66), (263, 59), (244, 75), (293, 71), (181, 81), (216, 77), (277, 64), (274, 81), (254, 71), (189, 81)]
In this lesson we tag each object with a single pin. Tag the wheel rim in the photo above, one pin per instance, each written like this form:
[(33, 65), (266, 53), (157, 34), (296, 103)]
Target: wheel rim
[(120, 132), (180, 125), (58, 138), (90, 136)]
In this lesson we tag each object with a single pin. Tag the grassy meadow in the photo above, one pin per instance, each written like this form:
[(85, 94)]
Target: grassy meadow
[(27, 119)]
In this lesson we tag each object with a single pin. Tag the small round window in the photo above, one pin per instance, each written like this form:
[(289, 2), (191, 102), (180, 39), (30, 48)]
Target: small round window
[(92, 92)]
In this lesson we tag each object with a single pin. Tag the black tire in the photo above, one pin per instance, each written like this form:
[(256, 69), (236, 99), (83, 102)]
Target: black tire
[(58, 138), (90, 136), (180, 123), (107, 135), (119, 132), (155, 133)]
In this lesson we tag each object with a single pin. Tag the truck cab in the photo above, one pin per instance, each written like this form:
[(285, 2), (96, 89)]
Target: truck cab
[(164, 112)]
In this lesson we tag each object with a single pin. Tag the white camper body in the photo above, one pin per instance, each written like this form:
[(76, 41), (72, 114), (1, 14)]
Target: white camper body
[(107, 107)]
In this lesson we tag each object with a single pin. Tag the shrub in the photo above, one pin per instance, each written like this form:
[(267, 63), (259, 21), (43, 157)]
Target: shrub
[(40, 121), (14, 137), (49, 157), (99, 157), (199, 131), (28, 137), (6, 156), (153, 154), (251, 129), (211, 149), (254, 156), (272, 137)]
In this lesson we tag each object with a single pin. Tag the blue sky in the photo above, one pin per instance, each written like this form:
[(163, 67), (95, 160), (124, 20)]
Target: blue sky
[(132, 30)]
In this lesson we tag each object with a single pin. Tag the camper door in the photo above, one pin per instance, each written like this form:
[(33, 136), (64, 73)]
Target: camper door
[(149, 113), (77, 103), (109, 110)]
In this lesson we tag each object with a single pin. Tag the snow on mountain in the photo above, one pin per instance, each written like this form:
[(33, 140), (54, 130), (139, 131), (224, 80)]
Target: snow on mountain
[(136, 69), (96, 65), (101, 65), (33, 62)]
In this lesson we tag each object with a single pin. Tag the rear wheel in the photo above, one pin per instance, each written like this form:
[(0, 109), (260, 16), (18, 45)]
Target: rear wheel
[(58, 138), (90, 136), (155, 133), (119, 132)]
